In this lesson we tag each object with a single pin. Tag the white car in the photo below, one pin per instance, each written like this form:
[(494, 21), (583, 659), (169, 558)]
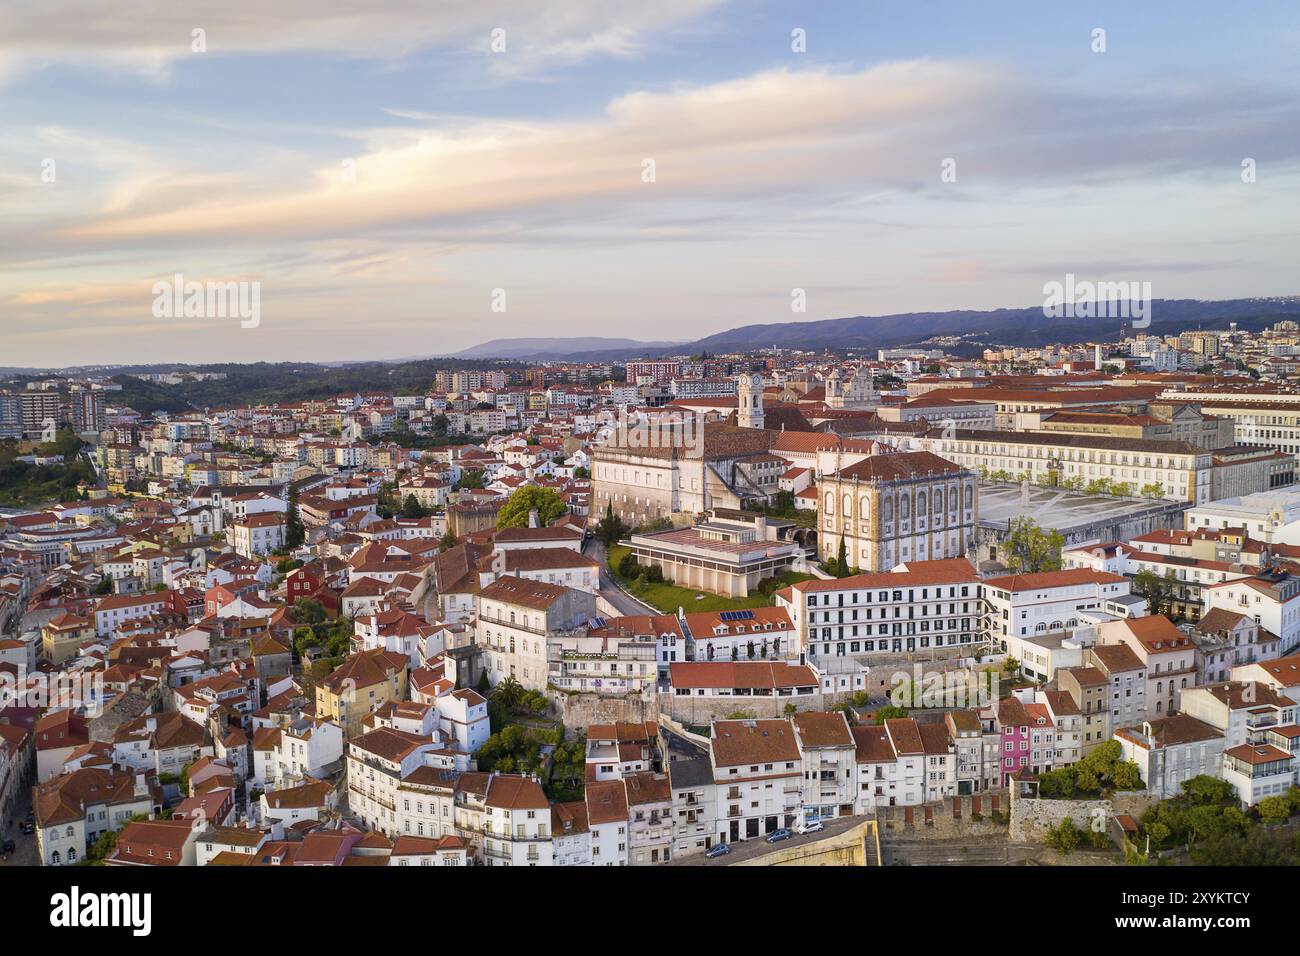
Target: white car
[(816, 826)]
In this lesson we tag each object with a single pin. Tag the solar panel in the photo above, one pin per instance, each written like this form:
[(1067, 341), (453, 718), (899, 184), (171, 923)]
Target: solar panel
[(736, 615)]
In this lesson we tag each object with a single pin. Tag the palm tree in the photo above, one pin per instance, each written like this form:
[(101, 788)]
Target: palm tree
[(509, 693)]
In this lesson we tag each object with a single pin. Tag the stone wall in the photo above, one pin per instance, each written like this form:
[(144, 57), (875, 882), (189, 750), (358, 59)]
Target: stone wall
[(856, 847), (1032, 818), (580, 710), (950, 818)]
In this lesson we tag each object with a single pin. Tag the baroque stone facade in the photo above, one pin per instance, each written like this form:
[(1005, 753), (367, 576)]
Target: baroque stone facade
[(889, 509)]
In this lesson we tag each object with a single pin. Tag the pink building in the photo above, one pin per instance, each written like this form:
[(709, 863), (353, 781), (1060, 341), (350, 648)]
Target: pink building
[(1014, 723)]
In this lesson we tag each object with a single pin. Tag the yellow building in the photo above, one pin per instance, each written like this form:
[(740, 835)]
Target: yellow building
[(362, 683), (61, 637)]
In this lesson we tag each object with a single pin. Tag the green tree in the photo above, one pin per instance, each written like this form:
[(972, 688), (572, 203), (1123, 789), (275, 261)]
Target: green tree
[(447, 541), (308, 611), (508, 693), (294, 532), (471, 479), (610, 530), (514, 513), (303, 639), (1273, 809), (1032, 549), (386, 506), (1206, 789), (411, 508), (1064, 837), (842, 560), (889, 713), (1056, 784), (1152, 587)]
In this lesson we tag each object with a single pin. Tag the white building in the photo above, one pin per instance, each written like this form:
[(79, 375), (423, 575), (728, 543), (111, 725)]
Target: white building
[(828, 763), (1269, 516), (1169, 751), (401, 776), (1271, 600), (517, 619), (72, 810), (1023, 605), (506, 818), (258, 534), (302, 749), (917, 606), (758, 777)]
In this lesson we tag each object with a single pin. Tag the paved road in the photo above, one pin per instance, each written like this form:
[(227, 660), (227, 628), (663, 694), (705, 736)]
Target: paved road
[(609, 588), (25, 853), (758, 846)]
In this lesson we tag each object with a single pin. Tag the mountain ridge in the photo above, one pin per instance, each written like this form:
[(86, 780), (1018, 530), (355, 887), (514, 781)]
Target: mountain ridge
[(1005, 326)]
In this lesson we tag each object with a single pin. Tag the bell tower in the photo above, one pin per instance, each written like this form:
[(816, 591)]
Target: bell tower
[(749, 405)]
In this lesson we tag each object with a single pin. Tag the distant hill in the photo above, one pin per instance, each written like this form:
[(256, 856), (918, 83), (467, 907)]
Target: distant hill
[(1015, 327), (557, 348), (1026, 327)]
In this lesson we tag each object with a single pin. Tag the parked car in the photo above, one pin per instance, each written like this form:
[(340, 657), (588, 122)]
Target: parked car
[(816, 826), (28, 828), (776, 836), (722, 849)]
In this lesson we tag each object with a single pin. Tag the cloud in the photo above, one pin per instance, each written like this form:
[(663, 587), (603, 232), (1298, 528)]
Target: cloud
[(815, 137), (826, 178), (147, 37)]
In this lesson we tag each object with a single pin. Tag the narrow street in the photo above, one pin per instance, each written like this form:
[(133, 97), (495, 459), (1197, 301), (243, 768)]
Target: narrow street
[(25, 852), (609, 588)]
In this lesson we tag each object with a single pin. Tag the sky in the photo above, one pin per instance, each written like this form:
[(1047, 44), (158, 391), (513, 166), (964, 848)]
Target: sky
[(414, 177)]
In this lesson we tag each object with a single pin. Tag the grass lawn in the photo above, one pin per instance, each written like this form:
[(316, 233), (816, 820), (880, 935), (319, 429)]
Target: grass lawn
[(668, 597)]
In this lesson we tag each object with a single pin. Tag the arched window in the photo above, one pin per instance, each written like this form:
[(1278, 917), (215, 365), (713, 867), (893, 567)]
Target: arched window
[(55, 858), (920, 504), (888, 510), (830, 503), (864, 509), (848, 504), (970, 496), (904, 508), (938, 501)]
